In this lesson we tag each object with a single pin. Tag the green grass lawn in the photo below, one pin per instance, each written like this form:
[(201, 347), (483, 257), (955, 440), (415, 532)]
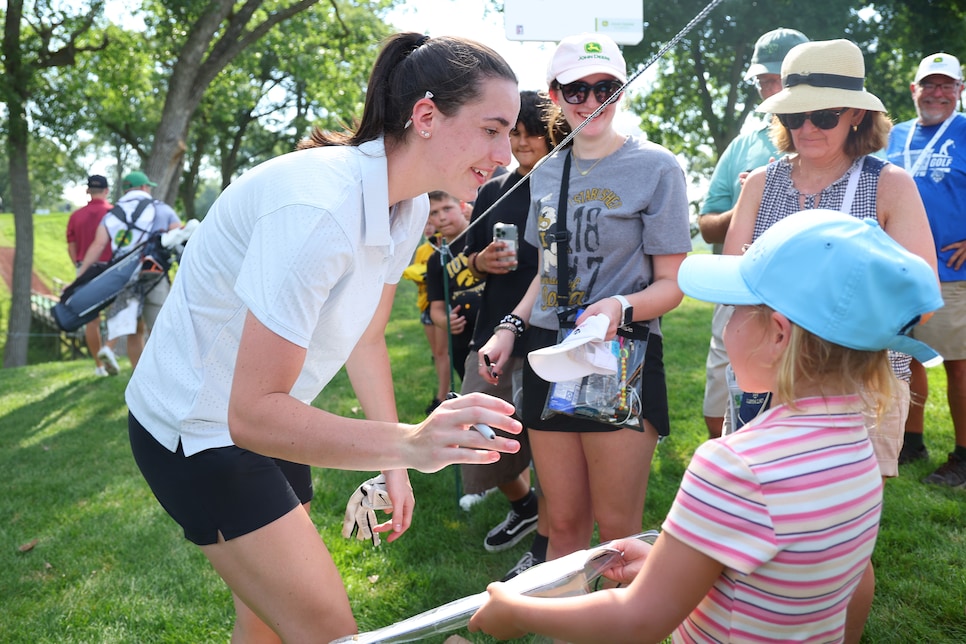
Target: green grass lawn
[(87, 554)]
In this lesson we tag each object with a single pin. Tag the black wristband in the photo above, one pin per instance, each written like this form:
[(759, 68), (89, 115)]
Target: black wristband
[(516, 322)]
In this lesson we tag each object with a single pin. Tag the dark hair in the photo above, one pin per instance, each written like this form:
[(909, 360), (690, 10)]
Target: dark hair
[(558, 126), (409, 65), (872, 135), (535, 113)]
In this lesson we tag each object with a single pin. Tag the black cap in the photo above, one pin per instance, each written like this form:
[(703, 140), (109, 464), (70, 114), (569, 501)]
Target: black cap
[(97, 181)]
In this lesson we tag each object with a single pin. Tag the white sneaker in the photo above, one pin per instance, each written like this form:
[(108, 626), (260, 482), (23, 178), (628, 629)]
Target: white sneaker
[(100, 371), (467, 501), (110, 361)]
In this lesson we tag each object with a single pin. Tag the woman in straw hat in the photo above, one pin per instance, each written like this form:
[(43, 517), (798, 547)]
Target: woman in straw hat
[(828, 126)]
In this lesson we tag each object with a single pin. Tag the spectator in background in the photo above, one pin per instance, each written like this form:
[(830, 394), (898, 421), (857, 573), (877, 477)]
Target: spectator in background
[(507, 274), (592, 472), (932, 148), (745, 153), (828, 132), (435, 336), (136, 308), (81, 231), (458, 315)]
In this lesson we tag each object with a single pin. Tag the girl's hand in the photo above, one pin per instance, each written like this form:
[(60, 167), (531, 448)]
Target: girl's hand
[(497, 351), (495, 616), (403, 503), (634, 554), (448, 437), (609, 307), (495, 259)]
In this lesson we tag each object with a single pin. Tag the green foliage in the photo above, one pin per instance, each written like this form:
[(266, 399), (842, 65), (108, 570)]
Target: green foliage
[(700, 99)]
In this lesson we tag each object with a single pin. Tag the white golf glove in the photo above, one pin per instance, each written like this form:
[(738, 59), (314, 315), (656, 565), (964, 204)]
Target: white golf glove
[(360, 511)]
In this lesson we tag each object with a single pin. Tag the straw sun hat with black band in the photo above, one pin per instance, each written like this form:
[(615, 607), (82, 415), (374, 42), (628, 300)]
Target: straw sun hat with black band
[(821, 75)]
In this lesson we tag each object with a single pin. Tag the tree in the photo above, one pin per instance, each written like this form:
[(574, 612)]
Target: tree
[(42, 39), (700, 99), (217, 32)]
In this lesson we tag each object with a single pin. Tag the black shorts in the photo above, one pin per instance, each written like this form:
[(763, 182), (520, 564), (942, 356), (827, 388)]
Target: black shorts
[(226, 489), (654, 406)]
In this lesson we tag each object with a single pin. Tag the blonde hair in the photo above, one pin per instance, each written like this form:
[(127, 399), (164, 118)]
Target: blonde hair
[(871, 135), (811, 363)]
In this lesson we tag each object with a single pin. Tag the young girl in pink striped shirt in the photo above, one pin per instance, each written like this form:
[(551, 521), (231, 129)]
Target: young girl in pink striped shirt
[(774, 525)]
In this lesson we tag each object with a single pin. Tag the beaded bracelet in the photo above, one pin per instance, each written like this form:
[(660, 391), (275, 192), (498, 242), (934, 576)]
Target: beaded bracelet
[(474, 266), (508, 327), (516, 322)]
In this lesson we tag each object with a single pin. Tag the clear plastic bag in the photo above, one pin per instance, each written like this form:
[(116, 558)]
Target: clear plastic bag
[(610, 399)]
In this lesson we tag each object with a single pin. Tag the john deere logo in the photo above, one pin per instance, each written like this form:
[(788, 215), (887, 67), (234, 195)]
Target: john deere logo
[(593, 48)]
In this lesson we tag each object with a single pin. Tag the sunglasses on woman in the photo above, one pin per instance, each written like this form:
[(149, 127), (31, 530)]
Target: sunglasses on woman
[(822, 119), (577, 92)]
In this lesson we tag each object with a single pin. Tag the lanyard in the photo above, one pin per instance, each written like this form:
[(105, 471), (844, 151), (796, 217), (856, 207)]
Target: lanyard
[(926, 151)]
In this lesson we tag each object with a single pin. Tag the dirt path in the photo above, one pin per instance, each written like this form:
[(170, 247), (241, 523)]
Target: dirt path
[(6, 270)]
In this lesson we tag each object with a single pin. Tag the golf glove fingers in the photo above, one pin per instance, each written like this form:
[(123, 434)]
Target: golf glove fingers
[(360, 515)]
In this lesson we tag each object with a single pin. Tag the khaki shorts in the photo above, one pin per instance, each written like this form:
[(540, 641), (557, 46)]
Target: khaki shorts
[(715, 386), (886, 435), (946, 330), (480, 478), (153, 301)]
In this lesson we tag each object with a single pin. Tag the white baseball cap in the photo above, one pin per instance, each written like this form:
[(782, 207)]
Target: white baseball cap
[(583, 55), (580, 354), (945, 64)]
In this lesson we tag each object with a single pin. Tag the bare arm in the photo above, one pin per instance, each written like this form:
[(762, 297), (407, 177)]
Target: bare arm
[(673, 581), (661, 296), (499, 348), (714, 226), (101, 240), (371, 377), (902, 214), (742, 227), (265, 418)]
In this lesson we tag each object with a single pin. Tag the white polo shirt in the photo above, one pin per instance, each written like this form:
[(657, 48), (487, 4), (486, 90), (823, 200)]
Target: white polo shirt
[(306, 243)]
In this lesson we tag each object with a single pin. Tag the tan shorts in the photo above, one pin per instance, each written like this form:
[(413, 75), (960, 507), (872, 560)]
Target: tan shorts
[(480, 478), (946, 330), (886, 435), (715, 386)]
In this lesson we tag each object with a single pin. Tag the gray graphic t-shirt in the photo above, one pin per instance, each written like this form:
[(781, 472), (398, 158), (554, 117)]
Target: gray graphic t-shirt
[(629, 207)]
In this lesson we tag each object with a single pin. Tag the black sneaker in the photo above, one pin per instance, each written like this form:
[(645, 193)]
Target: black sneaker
[(951, 473), (431, 407), (511, 531), (909, 454), (526, 562)]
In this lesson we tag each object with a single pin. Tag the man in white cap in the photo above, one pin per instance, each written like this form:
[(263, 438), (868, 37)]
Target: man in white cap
[(932, 148), (744, 153)]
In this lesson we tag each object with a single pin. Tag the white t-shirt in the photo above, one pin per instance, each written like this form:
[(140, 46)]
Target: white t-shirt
[(306, 243), (156, 216)]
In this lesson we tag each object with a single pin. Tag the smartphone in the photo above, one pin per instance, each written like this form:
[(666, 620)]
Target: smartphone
[(507, 233)]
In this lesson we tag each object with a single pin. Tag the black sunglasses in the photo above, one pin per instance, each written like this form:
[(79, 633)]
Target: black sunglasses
[(822, 119), (576, 93)]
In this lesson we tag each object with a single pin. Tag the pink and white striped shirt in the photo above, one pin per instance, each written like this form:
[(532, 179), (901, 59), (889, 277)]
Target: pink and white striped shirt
[(790, 505)]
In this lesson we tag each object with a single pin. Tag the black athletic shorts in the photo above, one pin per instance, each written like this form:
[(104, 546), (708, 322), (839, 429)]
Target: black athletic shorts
[(654, 406), (226, 489)]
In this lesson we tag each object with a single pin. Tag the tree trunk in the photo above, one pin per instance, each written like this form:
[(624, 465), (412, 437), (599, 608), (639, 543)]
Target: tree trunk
[(15, 89), (18, 331), (198, 64)]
